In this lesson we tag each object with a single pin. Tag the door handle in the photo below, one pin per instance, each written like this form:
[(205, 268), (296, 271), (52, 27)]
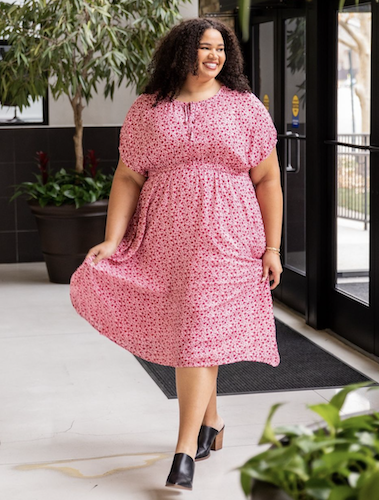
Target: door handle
[(296, 137)]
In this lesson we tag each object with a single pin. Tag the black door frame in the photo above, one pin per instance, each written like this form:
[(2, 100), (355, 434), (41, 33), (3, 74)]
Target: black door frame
[(293, 289), (321, 125), (354, 320), (325, 307), (374, 201)]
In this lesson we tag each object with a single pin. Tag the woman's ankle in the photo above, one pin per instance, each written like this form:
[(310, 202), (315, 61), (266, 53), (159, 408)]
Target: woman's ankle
[(216, 422), (188, 450)]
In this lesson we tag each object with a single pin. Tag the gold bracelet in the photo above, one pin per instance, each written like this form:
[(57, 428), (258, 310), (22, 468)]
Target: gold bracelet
[(273, 249)]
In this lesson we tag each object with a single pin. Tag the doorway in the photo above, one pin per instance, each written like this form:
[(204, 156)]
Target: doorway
[(312, 66), (353, 287), (278, 75)]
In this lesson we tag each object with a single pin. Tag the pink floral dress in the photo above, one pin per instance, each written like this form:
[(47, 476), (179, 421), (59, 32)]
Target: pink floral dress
[(184, 286)]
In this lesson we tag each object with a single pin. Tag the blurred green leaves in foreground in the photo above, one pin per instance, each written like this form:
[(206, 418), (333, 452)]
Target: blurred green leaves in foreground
[(336, 460)]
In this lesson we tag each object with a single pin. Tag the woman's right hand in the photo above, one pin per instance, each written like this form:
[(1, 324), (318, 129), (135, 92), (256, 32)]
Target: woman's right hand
[(102, 251)]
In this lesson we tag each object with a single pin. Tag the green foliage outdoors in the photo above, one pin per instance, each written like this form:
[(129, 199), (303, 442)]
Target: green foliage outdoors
[(349, 198), (70, 46), (338, 461)]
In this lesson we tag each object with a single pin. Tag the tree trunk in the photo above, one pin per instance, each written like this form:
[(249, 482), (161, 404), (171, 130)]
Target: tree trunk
[(77, 106), (360, 42), (362, 88)]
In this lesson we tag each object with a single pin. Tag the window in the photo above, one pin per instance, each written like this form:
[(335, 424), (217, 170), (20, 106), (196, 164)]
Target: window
[(36, 113)]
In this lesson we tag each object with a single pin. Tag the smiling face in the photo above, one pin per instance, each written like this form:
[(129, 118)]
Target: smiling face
[(211, 55)]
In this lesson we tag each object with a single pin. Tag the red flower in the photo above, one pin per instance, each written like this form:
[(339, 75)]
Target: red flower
[(43, 160), (92, 162)]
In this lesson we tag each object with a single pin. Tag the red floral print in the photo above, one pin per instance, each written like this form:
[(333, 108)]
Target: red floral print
[(184, 286)]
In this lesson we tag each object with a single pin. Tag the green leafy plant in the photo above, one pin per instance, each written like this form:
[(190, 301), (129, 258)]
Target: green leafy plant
[(64, 187), (339, 460), (70, 46)]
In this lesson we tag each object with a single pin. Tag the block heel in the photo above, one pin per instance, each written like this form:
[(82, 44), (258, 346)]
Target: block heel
[(209, 439), (218, 440)]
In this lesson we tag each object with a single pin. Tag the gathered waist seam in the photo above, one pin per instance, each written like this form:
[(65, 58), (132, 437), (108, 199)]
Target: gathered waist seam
[(194, 167)]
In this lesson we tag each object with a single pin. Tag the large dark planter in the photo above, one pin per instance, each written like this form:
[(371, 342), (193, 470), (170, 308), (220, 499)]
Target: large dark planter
[(266, 491), (67, 233)]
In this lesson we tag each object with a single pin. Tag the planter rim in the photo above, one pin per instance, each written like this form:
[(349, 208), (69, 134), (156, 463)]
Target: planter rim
[(68, 210)]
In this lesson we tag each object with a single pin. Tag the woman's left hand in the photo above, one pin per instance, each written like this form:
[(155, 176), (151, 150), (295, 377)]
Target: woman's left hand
[(272, 268)]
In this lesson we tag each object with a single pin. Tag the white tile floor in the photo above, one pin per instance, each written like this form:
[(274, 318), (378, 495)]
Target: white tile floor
[(80, 418)]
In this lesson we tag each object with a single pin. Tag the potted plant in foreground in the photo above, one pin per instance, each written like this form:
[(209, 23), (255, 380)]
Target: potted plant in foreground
[(335, 460), (70, 47)]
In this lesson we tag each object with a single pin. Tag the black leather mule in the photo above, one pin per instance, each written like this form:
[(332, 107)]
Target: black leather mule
[(209, 439), (182, 471)]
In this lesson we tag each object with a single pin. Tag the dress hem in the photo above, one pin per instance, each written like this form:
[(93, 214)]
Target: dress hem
[(255, 359)]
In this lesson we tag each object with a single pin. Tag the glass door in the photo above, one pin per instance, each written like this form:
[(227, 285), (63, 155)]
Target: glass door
[(353, 159), (328, 130), (279, 80), (263, 64), (294, 143), (355, 223)]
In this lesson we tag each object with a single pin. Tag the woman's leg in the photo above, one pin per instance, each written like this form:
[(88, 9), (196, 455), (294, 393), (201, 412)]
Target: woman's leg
[(211, 416), (194, 387)]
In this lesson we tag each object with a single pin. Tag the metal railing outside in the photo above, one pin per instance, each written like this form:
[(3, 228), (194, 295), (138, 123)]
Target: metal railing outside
[(353, 182)]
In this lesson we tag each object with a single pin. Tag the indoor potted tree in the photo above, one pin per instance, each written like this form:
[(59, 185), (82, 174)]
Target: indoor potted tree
[(69, 47), (335, 460)]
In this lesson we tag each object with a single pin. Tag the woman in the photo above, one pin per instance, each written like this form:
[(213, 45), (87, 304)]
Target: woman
[(193, 230)]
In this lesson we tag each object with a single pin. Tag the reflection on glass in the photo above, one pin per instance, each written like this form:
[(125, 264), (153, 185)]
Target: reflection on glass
[(295, 148), (31, 114), (353, 165), (10, 114), (266, 66)]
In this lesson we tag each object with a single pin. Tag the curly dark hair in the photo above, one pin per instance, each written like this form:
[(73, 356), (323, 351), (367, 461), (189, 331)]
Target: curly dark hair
[(176, 57)]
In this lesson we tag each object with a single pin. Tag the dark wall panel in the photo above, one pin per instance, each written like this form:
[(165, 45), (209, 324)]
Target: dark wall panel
[(18, 231), (29, 249), (8, 247), (6, 146)]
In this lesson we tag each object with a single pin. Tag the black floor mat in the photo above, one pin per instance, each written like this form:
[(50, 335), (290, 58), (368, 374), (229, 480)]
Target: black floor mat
[(304, 365)]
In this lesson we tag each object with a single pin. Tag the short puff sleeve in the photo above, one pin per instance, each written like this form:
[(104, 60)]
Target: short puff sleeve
[(133, 141), (263, 134)]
